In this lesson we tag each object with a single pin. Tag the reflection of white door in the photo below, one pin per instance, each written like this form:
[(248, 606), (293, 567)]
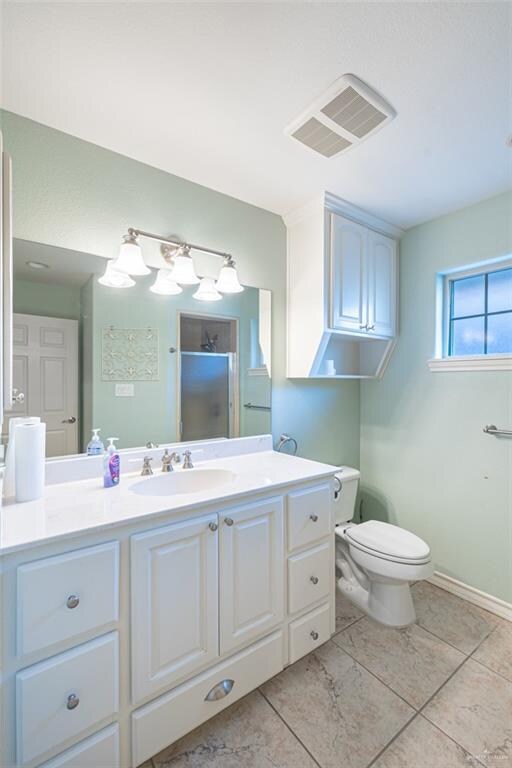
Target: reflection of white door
[(45, 369)]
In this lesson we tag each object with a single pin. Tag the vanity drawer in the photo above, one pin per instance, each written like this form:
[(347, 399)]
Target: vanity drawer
[(310, 631), (60, 598), (163, 721), (98, 751), (48, 718), (309, 515), (310, 577)]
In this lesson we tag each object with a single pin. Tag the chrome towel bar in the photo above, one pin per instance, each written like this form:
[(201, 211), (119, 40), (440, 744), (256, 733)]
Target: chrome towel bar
[(492, 429), (257, 407)]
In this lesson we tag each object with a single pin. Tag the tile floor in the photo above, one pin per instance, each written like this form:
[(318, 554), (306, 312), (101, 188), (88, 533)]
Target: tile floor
[(437, 694)]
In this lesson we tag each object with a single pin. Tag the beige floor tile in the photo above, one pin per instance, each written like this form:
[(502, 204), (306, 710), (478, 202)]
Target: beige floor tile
[(340, 712), (247, 735), (496, 651), (422, 745), (475, 709), (411, 661), (346, 612), (450, 618)]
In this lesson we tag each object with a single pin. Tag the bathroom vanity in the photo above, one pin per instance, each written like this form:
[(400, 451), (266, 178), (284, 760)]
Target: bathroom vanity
[(135, 613)]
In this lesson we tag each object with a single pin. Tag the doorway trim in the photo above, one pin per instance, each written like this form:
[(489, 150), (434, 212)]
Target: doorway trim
[(234, 366)]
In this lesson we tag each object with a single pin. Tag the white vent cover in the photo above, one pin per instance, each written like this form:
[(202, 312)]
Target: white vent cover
[(346, 114)]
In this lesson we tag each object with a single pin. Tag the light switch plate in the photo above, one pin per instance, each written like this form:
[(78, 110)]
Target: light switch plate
[(124, 390)]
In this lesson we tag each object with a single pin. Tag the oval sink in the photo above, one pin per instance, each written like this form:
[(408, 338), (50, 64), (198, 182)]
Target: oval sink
[(183, 481)]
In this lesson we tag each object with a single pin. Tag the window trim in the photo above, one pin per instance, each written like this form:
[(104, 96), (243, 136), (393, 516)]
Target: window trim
[(442, 360)]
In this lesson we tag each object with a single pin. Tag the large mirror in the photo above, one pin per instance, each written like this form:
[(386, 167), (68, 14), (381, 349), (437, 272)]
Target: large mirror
[(142, 367)]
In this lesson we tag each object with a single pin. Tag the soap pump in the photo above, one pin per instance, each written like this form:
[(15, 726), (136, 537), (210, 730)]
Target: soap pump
[(111, 464), (95, 447)]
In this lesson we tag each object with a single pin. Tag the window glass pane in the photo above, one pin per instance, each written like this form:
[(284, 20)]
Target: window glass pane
[(499, 333), (469, 296), (500, 291), (468, 336)]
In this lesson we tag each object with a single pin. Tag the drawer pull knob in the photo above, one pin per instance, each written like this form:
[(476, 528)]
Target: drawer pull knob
[(72, 602), (314, 518), (314, 635), (73, 701), (228, 521), (314, 579), (220, 690), (212, 526)]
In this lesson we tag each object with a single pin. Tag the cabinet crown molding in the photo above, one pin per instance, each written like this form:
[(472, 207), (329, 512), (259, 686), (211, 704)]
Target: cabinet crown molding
[(335, 204)]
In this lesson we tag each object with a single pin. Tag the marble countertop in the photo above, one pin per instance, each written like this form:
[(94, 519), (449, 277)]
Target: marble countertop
[(84, 506)]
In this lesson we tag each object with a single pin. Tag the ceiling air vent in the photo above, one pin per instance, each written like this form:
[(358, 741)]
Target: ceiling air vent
[(346, 114)]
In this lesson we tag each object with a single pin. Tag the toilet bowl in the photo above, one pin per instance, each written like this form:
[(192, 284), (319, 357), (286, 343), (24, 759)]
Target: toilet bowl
[(376, 561)]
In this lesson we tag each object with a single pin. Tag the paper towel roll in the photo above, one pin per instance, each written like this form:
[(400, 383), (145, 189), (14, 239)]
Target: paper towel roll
[(29, 449), (9, 484)]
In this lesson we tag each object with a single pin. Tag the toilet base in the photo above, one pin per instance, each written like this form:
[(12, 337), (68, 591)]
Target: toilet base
[(389, 603)]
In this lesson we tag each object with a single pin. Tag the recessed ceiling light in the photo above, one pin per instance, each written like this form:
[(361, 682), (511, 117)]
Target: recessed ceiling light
[(37, 265)]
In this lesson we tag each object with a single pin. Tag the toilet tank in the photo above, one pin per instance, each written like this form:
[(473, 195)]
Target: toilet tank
[(346, 494)]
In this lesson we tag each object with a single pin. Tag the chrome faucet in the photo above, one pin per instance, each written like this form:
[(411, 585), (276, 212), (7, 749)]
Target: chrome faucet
[(167, 460), (187, 461), (146, 466)]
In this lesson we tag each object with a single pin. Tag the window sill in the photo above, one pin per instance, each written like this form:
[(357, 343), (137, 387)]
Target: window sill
[(471, 363)]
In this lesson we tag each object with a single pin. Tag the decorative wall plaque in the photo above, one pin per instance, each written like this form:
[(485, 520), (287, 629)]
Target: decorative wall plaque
[(129, 354)]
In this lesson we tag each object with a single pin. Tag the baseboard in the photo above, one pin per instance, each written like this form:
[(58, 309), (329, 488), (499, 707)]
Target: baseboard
[(482, 599)]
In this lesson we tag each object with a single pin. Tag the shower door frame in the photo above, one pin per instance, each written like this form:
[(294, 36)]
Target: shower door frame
[(234, 378)]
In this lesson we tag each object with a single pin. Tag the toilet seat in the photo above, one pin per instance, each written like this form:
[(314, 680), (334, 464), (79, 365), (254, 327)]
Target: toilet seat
[(388, 542)]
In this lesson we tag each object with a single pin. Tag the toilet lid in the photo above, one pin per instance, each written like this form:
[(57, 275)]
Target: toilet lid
[(388, 540)]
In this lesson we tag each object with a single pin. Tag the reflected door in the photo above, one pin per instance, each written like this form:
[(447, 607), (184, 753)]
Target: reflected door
[(45, 369), (206, 386)]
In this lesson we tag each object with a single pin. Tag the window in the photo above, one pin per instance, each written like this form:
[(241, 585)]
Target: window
[(480, 314)]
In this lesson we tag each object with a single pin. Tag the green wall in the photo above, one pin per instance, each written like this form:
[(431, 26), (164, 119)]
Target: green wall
[(76, 195), (46, 299), (425, 462)]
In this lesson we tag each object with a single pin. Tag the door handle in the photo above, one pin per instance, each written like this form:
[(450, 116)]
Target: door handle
[(71, 420)]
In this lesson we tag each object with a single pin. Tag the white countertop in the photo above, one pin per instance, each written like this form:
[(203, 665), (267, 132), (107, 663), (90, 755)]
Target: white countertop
[(68, 509)]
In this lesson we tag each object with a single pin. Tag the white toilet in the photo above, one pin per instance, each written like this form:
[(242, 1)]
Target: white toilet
[(376, 561)]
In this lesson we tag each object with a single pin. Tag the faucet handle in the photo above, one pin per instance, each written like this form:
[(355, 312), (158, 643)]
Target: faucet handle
[(146, 465), (187, 461), (167, 461)]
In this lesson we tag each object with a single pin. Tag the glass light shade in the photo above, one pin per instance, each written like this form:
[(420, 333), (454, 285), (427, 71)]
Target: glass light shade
[(114, 279), (227, 281), (207, 290), (164, 284), (130, 259), (183, 271)]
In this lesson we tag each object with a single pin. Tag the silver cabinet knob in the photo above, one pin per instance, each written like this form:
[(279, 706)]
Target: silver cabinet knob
[(314, 634), (72, 701), (228, 521), (72, 602), (314, 579), (314, 518), (212, 526)]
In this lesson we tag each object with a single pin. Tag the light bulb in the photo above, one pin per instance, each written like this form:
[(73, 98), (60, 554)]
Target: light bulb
[(130, 259), (164, 284), (207, 290), (183, 271), (114, 279), (227, 281)]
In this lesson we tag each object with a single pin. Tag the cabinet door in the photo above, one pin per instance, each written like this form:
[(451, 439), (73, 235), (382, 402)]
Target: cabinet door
[(174, 621), (382, 278), (251, 571), (348, 275)]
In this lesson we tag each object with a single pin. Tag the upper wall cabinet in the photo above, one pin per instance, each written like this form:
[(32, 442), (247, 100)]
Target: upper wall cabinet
[(342, 291)]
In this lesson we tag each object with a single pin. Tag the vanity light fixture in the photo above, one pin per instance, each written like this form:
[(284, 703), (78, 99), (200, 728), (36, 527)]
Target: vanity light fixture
[(228, 282), (112, 278), (180, 268), (207, 290), (130, 259), (165, 285)]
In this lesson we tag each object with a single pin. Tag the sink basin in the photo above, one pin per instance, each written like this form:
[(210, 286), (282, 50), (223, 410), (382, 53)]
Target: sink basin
[(183, 481)]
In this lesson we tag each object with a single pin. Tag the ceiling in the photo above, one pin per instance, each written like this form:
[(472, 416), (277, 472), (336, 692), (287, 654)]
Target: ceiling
[(64, 267), (204, 91)]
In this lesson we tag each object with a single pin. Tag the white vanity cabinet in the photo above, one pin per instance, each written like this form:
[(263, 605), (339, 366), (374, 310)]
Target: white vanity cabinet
[(363, 266), (126, 639)]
